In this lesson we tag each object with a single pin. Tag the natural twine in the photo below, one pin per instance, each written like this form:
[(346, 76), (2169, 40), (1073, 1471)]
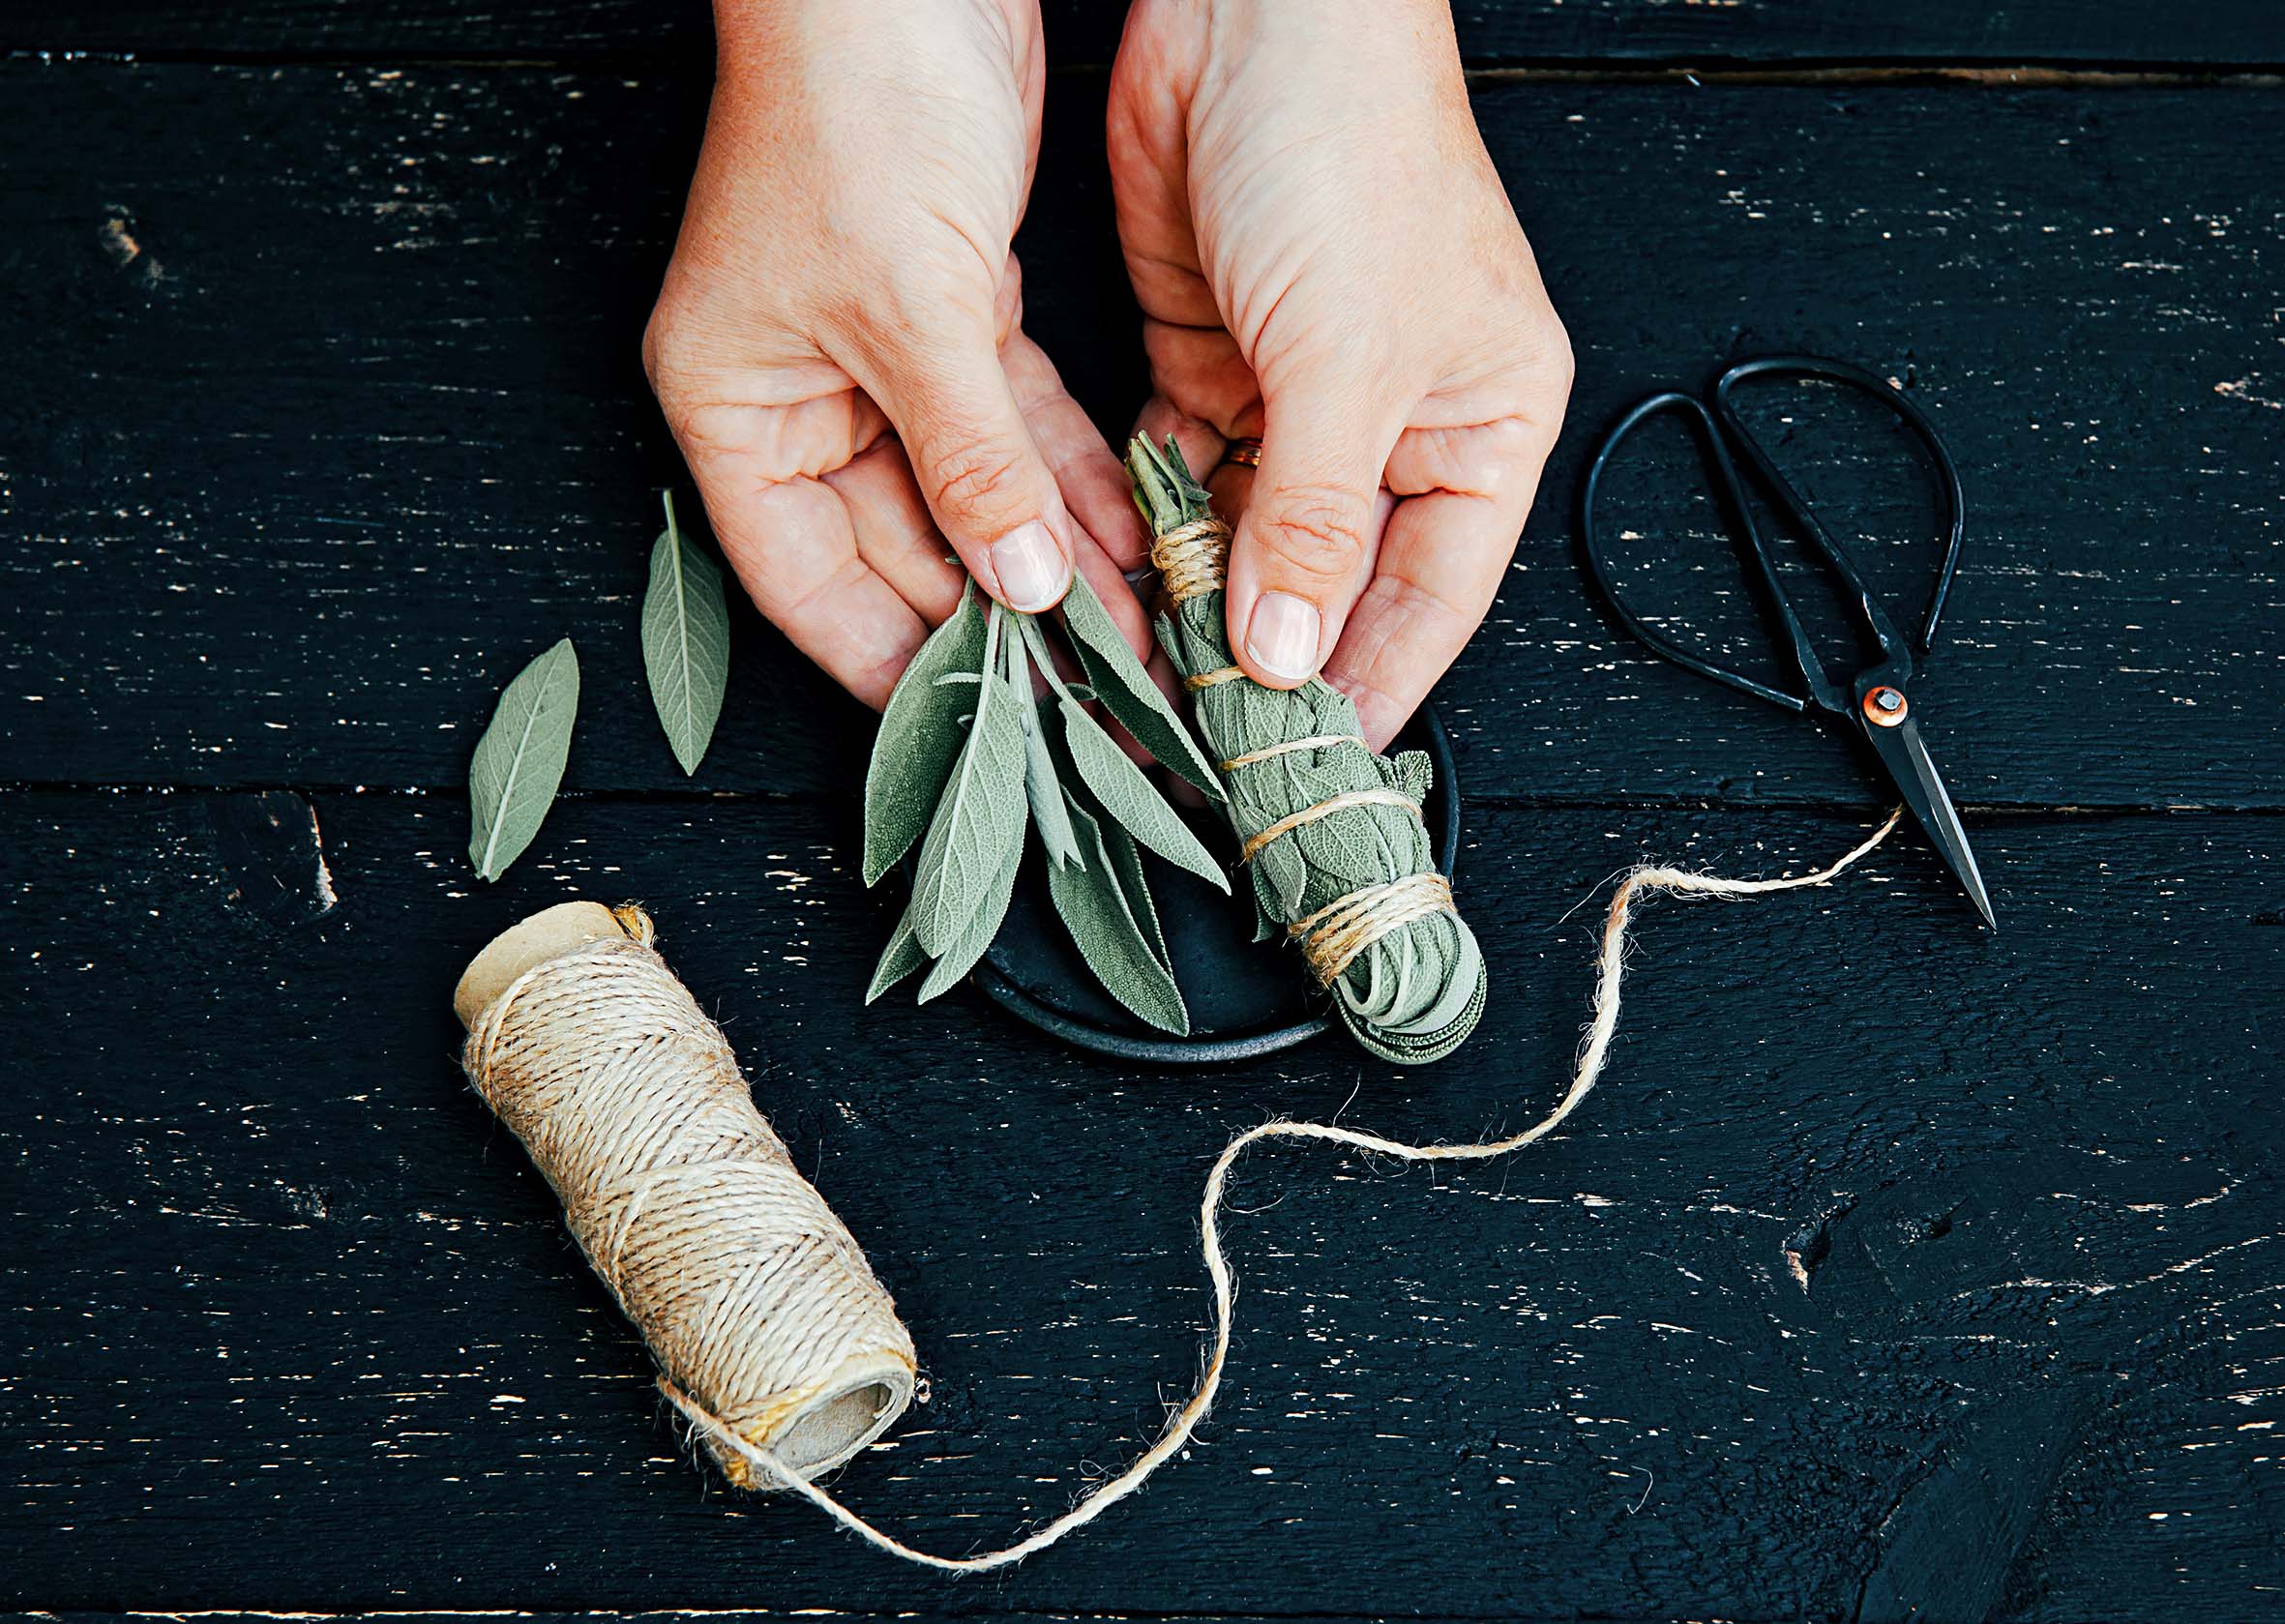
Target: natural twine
[(1331, 804), (1334, 935), (1270, 752), (1610, 966), (756, 1302), (1193, 558)]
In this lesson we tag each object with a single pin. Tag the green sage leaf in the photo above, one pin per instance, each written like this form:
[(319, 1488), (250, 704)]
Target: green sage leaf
[(519, 762), (1040, 783), (920, 736), (899, 959), (1126, 865), (1124, 688), (1048, 811), (686, 641), (1094, 907), (978, 827), (961, 957), (1121, 789)]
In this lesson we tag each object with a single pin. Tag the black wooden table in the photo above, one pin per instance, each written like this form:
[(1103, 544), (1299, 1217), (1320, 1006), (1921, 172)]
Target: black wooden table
[(1897, 1267)]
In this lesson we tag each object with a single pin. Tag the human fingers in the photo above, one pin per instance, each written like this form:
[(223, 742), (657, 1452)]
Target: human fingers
[(894, 532), (791, 546), (983, 477), (1305, 545), (1442, 557)]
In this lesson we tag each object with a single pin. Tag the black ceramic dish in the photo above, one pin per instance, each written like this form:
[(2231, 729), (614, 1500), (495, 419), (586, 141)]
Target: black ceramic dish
[(1246, 998)]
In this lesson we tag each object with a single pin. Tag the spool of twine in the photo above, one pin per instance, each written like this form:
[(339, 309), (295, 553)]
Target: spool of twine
[(767, 1323), (773, 1339)]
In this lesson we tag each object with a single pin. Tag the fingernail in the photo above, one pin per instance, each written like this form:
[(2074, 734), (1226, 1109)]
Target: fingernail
[(1282, 636), (1031, 569)]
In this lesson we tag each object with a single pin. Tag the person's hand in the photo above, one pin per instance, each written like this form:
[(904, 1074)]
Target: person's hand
[(1326, 259), (837, 347)]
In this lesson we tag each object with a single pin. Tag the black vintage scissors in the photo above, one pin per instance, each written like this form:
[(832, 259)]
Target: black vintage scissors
[(1876, 700)]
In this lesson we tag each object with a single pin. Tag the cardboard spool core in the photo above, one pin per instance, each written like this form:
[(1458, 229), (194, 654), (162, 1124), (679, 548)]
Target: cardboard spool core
[(857, 1402)]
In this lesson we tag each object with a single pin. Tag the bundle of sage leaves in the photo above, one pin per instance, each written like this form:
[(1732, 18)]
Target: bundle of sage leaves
[(1417, 990), (967, 756)]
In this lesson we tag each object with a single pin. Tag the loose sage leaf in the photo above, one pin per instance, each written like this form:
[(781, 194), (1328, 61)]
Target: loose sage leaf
[(1125, 689), (1121, 789), (686, 641), (957, 960), (519, 762), (1111, 940), (899, 959), (979, 819), (920, 736)]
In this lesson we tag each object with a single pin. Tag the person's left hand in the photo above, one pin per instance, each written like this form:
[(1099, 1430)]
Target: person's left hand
[(1326, 259)]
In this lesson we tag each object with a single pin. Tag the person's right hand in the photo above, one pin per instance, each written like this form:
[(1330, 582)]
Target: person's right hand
[(838, 344)]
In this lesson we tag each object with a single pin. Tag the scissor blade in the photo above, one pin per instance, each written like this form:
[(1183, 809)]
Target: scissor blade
[(1906, 758)]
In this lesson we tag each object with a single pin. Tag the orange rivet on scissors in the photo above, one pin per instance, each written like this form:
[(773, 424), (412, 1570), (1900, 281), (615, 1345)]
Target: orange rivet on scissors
[(1885, 707)]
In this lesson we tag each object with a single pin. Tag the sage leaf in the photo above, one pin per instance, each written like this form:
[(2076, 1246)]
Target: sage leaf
[(1094, 907), (686, 641), (1048, 811), (899, 959), (1126, 866), (920, 736), (1123, 686), (1121, 789), (978, 825), (957, 960), (519, 762)]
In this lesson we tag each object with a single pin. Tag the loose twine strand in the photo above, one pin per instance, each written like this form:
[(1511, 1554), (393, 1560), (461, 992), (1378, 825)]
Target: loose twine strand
[(1610, 967)]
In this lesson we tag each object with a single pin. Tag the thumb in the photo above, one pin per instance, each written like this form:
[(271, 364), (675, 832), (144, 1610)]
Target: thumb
[(1305, 543), (984, 480)]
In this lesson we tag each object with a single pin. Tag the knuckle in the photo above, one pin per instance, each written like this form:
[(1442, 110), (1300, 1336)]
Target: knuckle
[(968, 477), (1318, 532), (665, 352), (1558, 362)]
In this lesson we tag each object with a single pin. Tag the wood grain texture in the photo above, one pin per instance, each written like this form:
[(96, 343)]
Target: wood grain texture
[(2200, 33), (1896, 1266), (328, 416)]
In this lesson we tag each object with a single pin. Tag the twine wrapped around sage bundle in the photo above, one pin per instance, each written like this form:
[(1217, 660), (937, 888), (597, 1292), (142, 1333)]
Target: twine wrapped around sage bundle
[(1331, 833)]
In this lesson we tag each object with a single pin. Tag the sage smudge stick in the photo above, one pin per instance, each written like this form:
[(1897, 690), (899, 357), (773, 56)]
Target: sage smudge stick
[(1331, 833), (967, 756)]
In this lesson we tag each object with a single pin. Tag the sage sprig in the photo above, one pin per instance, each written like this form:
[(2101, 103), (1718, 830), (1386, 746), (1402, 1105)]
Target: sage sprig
[(967, 756)]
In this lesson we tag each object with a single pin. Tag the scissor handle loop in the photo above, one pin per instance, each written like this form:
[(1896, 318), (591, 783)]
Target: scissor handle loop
[(1950, 496), (1730, 494)]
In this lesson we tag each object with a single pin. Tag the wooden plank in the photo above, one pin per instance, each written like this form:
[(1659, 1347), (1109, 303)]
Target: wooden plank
[(2204, 33), (319, 432), (1877, 1216)]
